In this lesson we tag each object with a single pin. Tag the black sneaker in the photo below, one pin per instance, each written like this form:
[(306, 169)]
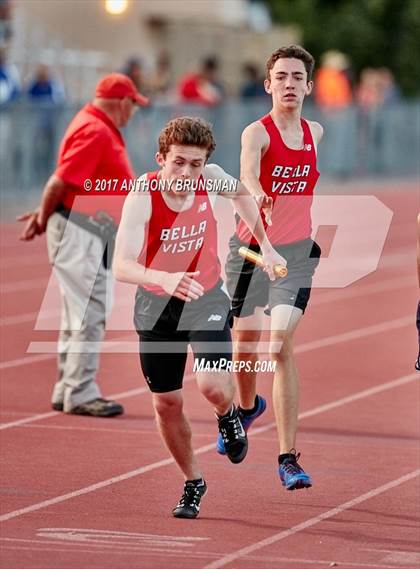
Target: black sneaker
[(57, 406), (189, 504), (98, 408), (234, 436)]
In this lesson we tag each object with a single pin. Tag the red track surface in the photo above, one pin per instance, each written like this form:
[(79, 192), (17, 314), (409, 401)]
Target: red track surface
[(97, 493)]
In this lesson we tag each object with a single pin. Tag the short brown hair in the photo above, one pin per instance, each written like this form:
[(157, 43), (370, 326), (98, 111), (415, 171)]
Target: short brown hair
[(289, 52), (187, 131)]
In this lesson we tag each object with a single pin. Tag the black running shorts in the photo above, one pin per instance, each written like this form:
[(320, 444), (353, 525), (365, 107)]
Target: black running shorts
[(250, 287), (166, 326)]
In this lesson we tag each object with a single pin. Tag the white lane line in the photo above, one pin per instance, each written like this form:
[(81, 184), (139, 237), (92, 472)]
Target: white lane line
[(31, 419), (27, 360), (24, 285), (312, 521), (256, 430), (45, 315), (338, 440), (166, 548), (137, 552), (133, 431), (118, 537), (200, 450), (356, 334), (120, 395), (345, 400), (365, 290), (27, 317), (105, 346)]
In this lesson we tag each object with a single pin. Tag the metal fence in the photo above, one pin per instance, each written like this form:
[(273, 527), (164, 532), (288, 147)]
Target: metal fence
[(384, 142)]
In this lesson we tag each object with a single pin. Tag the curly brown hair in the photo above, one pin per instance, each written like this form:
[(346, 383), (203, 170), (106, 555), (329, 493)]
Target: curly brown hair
[(187, 131), (292, 52)]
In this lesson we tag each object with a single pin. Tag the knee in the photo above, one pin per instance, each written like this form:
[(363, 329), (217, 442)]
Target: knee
[(167, 407), (217, 392), (281, 349), (247, 342)]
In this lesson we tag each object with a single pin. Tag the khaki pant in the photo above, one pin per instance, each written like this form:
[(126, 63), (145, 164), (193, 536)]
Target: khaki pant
[(87, 296)]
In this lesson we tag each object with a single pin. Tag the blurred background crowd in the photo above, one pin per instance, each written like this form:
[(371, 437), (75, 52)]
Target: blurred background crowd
[(207, 58)]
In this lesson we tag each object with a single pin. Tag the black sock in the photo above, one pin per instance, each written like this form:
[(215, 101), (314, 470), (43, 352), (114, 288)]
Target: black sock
[(196, 482), (250, 411), (228, 413), (287, 456)]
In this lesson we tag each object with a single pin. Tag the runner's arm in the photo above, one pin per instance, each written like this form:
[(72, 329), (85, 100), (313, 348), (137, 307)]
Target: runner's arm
[(249, 212), (254, 142)]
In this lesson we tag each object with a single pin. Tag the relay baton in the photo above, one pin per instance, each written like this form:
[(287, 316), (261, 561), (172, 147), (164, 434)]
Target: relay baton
[(256, 258)]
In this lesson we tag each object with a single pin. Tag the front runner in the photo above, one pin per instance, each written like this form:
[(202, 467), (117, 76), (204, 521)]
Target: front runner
[(180, 300), (278, 164)]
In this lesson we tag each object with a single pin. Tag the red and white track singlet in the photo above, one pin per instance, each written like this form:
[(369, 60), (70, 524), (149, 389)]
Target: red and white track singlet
[(181, 241), (289, 177)]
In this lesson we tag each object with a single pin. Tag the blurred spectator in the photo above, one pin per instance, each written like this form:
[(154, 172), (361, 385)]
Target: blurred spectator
[(376, 88), (44, 87), (9, 80), (160, 81), (134, 69), (9, 91), (253, 85), (369, 90), (333, 94), (376, 91), (391, 91), (202, 87), (46, 94), (5, 22), (332, 85)]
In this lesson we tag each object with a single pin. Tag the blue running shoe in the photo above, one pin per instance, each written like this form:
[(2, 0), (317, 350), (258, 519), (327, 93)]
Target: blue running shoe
[(292, 475), (246, 421)]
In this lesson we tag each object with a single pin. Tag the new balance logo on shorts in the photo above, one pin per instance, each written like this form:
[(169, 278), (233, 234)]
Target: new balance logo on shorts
[(214, 317)]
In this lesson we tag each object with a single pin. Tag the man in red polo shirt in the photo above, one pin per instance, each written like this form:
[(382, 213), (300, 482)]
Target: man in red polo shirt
[(80, 223)]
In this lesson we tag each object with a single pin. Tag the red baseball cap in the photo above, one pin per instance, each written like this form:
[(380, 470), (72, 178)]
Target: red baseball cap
[(119, 86)]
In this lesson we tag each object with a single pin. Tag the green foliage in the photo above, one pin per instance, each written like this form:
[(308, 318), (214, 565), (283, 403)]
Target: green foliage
[(373, 33)]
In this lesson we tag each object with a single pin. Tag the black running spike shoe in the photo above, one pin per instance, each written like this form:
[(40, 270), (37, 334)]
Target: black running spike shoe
[(189, 504), (234, 436)]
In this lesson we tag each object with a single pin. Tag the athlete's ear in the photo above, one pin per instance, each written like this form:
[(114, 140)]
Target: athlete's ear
[(267, 86), (309, 87), (160, 159)]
